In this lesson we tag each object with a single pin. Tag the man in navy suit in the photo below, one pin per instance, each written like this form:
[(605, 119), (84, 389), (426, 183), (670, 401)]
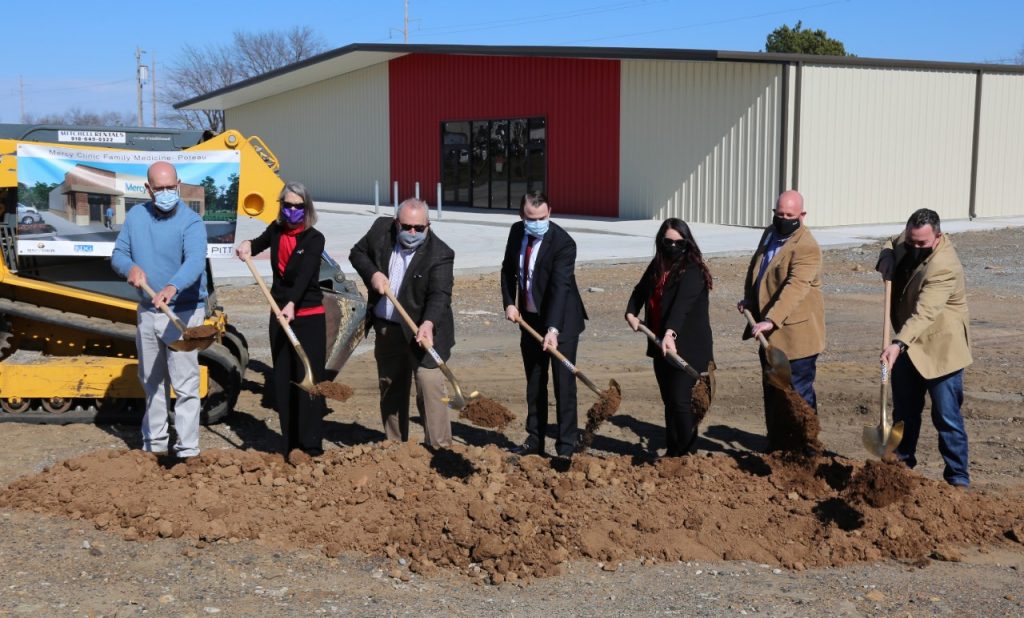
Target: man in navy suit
[(538, 283)]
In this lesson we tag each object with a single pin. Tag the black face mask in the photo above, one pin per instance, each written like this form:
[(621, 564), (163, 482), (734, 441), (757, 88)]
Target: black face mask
[(672, 252), (785, 227), (917, 254)]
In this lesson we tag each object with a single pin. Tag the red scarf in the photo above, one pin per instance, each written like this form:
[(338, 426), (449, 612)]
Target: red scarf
[(654, 313), (285, 248)]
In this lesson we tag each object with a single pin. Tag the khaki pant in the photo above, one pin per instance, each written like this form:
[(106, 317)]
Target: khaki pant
[(161, 368), (395, 367)]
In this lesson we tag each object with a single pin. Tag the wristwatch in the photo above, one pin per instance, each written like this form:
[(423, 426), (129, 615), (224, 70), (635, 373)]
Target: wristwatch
[(552, 329), (903, 346)]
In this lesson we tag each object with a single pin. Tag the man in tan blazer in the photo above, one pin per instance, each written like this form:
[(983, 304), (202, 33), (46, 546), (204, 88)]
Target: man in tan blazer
[(932, 345), (783, 292)]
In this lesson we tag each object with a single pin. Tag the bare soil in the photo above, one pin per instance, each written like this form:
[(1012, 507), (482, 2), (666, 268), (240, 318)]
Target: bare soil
[(242, 531)]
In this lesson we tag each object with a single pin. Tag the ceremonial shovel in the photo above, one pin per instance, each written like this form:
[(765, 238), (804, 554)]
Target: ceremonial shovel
[(307, 383), (778, 371), (882, 439), (189, 341), (458, 401)]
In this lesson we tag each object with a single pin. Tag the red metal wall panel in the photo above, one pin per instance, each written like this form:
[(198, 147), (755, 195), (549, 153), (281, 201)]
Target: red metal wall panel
[(579, 98)]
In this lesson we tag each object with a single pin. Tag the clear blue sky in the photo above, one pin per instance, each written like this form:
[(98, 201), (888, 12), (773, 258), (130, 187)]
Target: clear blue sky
[(82, 54)]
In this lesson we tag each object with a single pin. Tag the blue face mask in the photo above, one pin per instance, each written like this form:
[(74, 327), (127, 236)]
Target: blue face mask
[(536, 228), (166, 199), (411, 240)]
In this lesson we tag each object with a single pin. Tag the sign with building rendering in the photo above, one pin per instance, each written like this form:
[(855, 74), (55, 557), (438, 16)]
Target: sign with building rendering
[(74, 201)]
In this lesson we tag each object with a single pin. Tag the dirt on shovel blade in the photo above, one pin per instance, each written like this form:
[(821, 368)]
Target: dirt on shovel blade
[(205, 331), (605, 407), (488, 413), (792, 424), (700, 399), (333, 390)]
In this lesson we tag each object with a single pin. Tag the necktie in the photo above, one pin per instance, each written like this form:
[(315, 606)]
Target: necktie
[(526, 266)]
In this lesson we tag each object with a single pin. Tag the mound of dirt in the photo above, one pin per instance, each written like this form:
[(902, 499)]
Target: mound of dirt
[(333, 390), (604, 408), (881, 483), (488, 413), (502, 518)]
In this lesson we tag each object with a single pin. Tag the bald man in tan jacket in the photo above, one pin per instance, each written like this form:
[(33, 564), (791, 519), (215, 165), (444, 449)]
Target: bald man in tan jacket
[(783, 292), (931, 346)]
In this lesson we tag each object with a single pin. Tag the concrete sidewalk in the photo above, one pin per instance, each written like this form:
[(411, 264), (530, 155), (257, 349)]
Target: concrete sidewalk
[(478, 237)]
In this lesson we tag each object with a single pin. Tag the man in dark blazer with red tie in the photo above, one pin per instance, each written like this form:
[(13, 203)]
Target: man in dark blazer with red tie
[(538, 283)]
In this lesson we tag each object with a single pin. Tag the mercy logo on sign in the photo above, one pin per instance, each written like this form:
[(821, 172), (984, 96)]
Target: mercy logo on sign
[(83, 248), (132, 187)]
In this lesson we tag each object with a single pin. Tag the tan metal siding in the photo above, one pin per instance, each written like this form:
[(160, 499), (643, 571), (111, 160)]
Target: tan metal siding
[(1000, 188), (332, 135), (699, 141), (877, 144)]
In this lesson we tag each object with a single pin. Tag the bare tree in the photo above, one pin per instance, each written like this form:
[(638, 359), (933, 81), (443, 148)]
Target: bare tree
[(263, 52), (76, 117), (201, 70)]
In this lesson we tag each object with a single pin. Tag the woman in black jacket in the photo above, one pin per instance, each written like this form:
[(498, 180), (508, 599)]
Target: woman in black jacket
[(295, 249), (674, 294)]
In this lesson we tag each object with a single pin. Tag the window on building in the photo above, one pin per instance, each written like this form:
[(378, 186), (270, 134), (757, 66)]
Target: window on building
[(492, 163), (194, 205), (132, 201)]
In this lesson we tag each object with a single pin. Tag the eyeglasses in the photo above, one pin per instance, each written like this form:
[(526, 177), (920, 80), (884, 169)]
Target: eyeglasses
[(291, 205), (408, 227), (669, 242)]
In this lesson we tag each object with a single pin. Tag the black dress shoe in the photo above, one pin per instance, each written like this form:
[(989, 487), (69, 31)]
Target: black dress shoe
[(528, 448)]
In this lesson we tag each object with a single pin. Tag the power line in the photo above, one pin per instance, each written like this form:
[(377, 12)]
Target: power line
[(709, 23), (30, 91)]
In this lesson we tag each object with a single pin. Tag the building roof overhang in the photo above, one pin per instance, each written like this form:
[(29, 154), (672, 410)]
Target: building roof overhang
[(362, 55)]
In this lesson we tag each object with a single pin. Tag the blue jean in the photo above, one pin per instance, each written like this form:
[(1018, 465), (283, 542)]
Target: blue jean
[(947, 394)]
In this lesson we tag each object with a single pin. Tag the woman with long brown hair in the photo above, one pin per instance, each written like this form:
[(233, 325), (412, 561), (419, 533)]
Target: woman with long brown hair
[(674, 294)]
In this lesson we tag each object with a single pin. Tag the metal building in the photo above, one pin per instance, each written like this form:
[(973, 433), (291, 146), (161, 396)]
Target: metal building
[(709, 136)]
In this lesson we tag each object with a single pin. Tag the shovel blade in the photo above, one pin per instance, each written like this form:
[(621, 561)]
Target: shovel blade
[(880, 440), (456, 401), (188, 345), (779, 373)]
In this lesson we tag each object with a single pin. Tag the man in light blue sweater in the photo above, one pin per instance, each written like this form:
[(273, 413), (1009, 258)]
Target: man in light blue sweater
[(163, 243)]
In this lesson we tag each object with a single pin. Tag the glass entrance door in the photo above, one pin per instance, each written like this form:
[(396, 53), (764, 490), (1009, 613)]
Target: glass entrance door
[(492, 163)]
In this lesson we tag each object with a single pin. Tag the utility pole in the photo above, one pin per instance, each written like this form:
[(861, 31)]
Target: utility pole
[(21, 96), (152, 83), (405, 23), (141, 72)]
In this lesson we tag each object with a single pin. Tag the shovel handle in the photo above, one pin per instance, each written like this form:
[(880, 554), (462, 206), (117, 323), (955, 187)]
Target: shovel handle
[(273, 304), (678, 360), (561, 357), (885, 314), (753, 323), (412, 325), (167, 310)]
